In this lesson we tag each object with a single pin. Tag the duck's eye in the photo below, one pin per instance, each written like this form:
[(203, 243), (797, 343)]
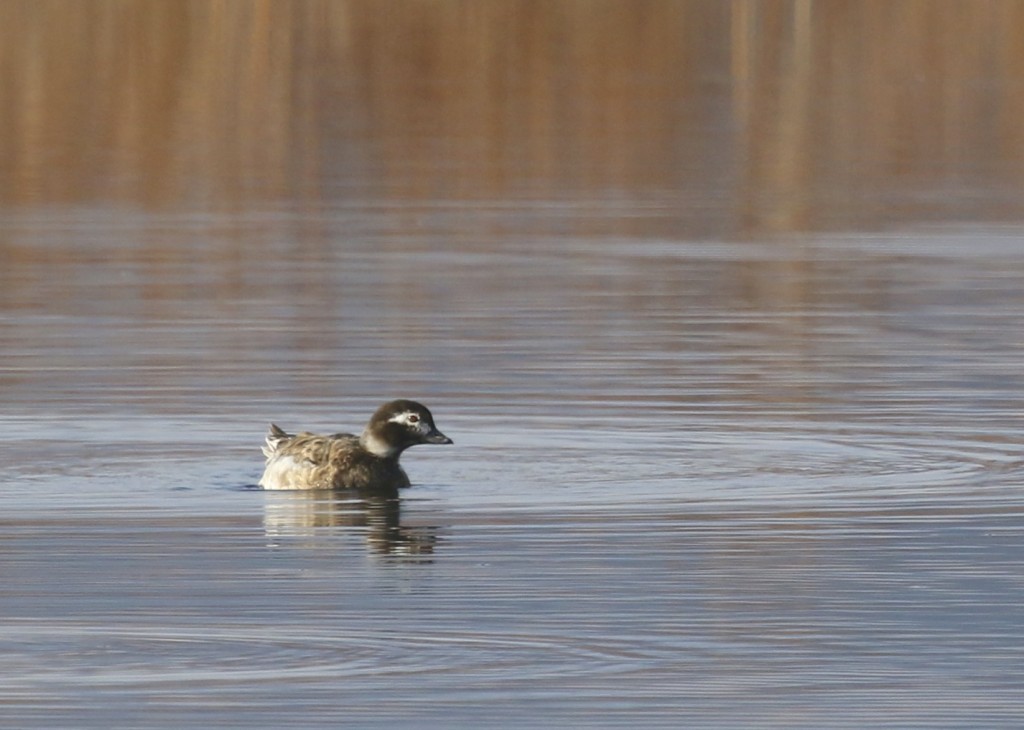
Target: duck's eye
[(413, 418)]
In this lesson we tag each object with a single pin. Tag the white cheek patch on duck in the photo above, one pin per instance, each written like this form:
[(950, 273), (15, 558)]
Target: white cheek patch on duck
[(411, 420)]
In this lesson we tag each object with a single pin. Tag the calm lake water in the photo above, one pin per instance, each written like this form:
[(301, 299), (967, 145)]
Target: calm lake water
[(717, 463)]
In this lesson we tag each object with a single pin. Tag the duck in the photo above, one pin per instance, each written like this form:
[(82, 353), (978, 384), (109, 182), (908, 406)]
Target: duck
[(346, 461)]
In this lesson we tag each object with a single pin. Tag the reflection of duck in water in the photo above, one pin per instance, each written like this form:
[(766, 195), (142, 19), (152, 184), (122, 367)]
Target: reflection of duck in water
[(305, 515), (345, 461)]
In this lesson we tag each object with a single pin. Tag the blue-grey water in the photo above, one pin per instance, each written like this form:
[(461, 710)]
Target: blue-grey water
[(660, 507), (734, 376)]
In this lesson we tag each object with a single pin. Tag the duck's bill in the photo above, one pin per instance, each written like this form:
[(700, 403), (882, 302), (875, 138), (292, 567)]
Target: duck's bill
[(436, 437)]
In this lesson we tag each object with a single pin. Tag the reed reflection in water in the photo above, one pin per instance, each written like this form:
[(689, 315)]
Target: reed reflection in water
[(726, 117)]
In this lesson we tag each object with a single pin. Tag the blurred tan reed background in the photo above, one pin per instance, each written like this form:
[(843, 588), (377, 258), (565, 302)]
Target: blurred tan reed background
[(750, 115)]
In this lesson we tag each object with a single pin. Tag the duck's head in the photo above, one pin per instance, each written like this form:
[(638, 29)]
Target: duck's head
[(399, 424)]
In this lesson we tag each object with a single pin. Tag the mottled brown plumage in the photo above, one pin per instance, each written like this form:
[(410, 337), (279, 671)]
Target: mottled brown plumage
[(346, 461)]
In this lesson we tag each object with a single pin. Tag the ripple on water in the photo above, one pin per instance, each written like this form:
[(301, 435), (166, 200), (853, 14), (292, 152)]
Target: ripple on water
[(180, 657)]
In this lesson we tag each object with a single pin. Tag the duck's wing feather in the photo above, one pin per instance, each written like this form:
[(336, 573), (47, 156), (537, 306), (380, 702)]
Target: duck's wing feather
[(305, 447)]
